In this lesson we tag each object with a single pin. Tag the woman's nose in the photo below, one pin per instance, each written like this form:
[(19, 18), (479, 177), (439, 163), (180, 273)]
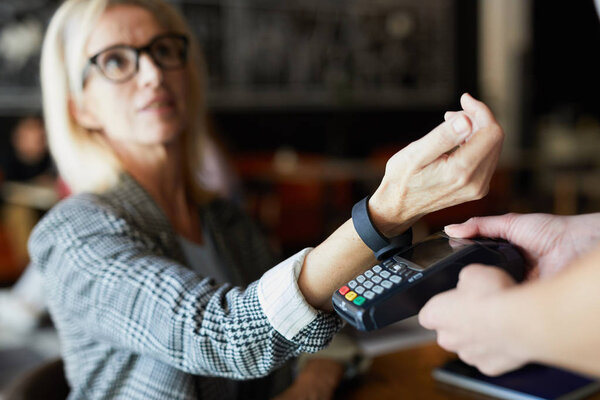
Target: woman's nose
[(149, 73)]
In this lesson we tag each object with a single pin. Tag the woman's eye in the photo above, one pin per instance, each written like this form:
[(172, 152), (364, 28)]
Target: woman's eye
[(165, 51), (115, 62)]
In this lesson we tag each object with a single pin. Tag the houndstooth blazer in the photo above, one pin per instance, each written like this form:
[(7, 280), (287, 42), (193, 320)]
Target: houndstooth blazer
[(136, 323)]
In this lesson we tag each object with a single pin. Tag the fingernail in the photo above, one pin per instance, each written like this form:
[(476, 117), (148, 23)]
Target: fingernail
[(461, 126), (451, 227)]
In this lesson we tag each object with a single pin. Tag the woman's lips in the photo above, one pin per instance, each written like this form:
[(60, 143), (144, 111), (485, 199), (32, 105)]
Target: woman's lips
[(159, 105)]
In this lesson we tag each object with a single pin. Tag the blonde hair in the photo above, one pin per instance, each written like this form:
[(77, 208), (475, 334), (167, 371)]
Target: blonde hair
[(83, 157)]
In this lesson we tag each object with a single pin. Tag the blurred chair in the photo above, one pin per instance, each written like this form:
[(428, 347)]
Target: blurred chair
[(27, 176), (46, 381), (9, 267)]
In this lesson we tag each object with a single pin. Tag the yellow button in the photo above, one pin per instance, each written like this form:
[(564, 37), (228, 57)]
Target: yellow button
[(351, 295)]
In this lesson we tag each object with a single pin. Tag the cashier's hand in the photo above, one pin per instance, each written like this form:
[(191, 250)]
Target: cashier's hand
[(465, 323), (450, 165), (548, 242)]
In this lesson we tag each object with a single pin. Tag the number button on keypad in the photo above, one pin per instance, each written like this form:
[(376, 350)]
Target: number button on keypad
[(387, 284)]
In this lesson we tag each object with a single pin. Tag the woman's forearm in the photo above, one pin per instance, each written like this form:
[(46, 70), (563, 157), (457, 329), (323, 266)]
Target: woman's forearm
[(341, 257), (334, 262)]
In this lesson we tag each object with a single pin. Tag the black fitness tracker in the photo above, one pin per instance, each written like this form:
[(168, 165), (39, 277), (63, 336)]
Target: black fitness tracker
[(381, 246)]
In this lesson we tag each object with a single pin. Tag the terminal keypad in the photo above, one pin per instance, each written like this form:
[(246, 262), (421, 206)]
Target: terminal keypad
[(378, 280)]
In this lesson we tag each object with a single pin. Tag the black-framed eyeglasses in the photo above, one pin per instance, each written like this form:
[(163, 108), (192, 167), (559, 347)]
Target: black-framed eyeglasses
[(120, 63)]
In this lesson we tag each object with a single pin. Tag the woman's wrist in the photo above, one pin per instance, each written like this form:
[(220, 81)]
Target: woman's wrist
[(389, 221)]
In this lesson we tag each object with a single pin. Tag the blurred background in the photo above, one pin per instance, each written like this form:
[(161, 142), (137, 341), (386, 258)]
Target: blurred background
[(308, 99)]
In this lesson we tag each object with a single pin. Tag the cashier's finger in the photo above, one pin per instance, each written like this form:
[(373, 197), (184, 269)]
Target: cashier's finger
[(498, 226), (434, 313), (483, 279)]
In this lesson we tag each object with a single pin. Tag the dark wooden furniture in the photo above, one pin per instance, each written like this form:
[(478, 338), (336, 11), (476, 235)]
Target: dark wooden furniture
[(406, 375)]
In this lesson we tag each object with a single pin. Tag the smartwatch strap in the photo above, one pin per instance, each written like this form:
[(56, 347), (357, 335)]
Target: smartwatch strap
[(381, 246)]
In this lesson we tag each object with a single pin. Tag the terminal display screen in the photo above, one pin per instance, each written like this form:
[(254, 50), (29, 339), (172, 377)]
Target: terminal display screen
[(432, 250)]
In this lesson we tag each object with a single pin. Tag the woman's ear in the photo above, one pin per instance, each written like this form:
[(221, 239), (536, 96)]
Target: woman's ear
[(83, 116)]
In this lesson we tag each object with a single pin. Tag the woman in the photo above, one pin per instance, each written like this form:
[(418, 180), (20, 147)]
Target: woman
[(153, 284)]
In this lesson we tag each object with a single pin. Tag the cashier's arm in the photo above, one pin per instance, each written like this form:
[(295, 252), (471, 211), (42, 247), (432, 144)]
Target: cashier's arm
[(564, 316), (499, 326)]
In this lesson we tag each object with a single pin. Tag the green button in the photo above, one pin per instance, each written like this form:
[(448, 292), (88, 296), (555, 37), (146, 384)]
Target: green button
[(359, 300)]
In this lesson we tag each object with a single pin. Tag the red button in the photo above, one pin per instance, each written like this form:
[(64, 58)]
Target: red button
[(344, 290)]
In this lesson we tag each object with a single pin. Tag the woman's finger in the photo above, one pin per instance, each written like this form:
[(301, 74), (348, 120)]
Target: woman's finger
[(448, 115), (440, 140), (479, 156), (477, 110)]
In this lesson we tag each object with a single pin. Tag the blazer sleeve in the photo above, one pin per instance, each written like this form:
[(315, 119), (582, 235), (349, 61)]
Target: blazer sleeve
[(112, 280)]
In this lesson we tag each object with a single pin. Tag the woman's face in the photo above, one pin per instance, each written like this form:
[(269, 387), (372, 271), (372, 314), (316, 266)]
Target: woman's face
[(147, 109)]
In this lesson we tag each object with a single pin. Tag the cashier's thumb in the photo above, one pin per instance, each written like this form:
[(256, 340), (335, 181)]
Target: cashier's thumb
[(483, 279)]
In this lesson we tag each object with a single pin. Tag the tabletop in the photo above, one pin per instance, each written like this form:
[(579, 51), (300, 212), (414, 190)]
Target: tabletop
[(406, 374)]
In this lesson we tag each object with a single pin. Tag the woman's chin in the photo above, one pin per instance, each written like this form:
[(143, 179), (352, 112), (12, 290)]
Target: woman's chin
[(161, 138), (160, 133)]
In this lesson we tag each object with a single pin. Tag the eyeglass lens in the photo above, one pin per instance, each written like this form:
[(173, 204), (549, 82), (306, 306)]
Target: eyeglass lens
[(120, 63)]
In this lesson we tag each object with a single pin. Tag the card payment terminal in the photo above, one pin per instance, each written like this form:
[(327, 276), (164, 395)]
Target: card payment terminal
[(399, 286)]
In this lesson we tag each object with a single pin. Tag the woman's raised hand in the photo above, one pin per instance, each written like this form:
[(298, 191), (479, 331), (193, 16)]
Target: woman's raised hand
[(452, 164)]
